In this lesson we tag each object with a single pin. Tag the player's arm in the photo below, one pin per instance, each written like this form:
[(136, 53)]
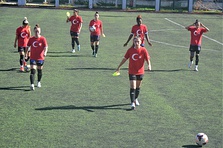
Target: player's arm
[(187, 27), (149, 64), (121, 63), (147, 39), (45, 51), (130, 37), (194, 24), (29, 31), (16, 39), (80, 28), (202, 25), (68, 19), (102, 31), (26, 51)]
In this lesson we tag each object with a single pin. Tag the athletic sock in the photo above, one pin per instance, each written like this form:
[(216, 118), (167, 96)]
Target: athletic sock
[(132, 94), (96, 48), (72, 43), (197, 60), (137, 93), (39, 74), (21, 60), (92, 47), (77, 41), (32, 76)]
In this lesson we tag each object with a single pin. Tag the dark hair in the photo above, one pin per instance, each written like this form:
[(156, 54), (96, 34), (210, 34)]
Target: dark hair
[(138, 17), (36, 26), (96, 13), (25, 21), (196, 22), (76, 10)]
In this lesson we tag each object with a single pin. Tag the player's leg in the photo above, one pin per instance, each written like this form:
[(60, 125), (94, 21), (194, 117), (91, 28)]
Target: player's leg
[(138, 85), (92, 44), (76, 39), (132, 80), (27, 56), (97, 38), (39, 72), (72, 41), (21, 59), (32, 73), (197, 58), (191, 49)]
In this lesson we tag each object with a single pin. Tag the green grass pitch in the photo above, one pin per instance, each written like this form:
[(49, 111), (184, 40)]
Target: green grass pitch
[(81, 105)]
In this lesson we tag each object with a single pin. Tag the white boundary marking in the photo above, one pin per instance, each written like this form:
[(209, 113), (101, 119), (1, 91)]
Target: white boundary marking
[(169, 44), (164, 30), (184, 27), (179, 46)]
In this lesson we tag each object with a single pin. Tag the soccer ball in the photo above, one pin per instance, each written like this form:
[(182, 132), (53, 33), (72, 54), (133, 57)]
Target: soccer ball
[(92, 29), (201, 139), (27, 68)]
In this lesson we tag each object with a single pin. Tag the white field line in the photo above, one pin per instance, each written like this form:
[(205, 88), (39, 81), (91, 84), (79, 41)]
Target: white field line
[(169, 44), (164, 30), (179, 46), (203, 35)]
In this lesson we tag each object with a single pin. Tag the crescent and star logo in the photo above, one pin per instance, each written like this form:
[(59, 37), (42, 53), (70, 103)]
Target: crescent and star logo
[(75, 22), (23, 35), (196, 33), (138, 32), (36, 44), (135, 57)]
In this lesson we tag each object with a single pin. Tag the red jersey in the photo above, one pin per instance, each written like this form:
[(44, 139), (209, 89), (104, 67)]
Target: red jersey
[(98, 25), (23, 35), (196, 35), (140, 31), (137, 58), (75, 23), (37, 47)]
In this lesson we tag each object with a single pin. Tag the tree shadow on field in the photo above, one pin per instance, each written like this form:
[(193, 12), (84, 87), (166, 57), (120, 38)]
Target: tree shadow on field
[(86, 108), (191, 146), (15, 88)]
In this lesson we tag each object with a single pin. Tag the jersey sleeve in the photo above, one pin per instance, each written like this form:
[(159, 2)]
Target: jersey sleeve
[(127, 54), (45, 42)]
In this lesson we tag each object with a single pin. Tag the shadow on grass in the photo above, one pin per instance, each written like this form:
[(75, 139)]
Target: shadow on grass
[(171, 70), (11, 69), (86, 108), (113, 69), (70, 55), (59, 52), (191, 146), (15, 88)]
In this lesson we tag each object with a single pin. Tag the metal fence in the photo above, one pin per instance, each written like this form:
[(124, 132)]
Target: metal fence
[(206, 5)]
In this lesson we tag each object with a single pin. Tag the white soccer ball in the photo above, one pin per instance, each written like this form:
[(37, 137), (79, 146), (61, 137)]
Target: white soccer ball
[(201, 139), (27, 68), (92, 28)]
